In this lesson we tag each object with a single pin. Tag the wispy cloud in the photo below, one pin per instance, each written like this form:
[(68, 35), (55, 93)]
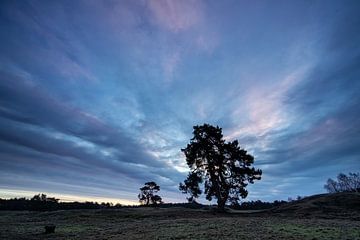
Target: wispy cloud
[(170, 64), (110, 91), (265, 107), (176, 16), (80, 142)]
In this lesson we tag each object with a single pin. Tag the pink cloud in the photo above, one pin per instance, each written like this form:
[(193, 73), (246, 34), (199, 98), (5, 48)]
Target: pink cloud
[(264, 108), (176, 16)]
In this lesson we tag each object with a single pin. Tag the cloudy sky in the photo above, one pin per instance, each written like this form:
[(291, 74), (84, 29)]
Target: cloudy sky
[(98, 97)]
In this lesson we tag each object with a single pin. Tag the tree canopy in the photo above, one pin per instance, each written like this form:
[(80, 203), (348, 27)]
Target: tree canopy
[(147, 195), (344, 183), (223, 167)]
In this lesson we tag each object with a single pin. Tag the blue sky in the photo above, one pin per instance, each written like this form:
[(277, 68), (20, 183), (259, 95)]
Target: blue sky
[(98, 97)]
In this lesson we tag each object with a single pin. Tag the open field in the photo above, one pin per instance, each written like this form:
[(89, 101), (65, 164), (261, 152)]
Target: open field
[(171, 223)]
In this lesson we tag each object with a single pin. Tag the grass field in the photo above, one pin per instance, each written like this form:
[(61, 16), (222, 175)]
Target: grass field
[(170, 223)]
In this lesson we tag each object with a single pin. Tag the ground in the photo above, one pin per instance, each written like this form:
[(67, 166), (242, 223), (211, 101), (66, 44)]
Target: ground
[(172, 223)]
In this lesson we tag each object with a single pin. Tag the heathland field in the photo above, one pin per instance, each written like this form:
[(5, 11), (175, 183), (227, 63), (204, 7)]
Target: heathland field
[(176, 223)]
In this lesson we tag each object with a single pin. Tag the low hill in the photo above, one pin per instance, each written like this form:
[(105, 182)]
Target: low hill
[(336, 205)]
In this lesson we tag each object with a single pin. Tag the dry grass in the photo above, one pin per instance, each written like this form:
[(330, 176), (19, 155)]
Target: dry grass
[(172, 223)]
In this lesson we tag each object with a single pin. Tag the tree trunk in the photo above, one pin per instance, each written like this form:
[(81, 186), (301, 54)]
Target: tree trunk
[(221, 204), (223, 196)]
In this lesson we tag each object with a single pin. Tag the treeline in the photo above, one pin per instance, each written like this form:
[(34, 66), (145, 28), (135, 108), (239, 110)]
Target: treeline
[(250, 205), (257, 205), (41, 202)]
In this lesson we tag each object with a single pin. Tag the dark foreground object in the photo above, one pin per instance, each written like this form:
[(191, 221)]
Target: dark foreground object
[(50, 229)]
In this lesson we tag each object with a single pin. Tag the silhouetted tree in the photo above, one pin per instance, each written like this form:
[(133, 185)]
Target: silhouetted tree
[(43, 198), (148, 195), (39, 197), (344, 183), (223, 167)]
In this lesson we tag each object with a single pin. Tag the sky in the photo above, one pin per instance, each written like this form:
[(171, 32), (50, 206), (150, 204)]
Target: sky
[(98, 97)]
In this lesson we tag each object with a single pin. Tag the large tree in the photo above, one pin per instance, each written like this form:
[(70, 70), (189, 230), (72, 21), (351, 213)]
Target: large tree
[(147, 195), (223, 166)]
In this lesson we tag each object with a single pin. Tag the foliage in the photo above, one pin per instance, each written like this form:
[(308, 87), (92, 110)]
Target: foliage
[(43, 198), (344, 183), (147, 195), (223, 166), (257, 205), (41, 202)]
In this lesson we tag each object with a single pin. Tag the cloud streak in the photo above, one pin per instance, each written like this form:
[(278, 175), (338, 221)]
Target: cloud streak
[(176, 16), (98, 97)]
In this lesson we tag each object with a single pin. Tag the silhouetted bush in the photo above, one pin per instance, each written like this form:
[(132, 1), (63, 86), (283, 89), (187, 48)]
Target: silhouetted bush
[(257, 205), (192, 205)]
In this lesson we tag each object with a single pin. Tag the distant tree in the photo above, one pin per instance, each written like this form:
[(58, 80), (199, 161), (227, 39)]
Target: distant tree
[(331, 186), (223, 166), (43, 198), (344, 183), (39, 197), (147, 195)]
